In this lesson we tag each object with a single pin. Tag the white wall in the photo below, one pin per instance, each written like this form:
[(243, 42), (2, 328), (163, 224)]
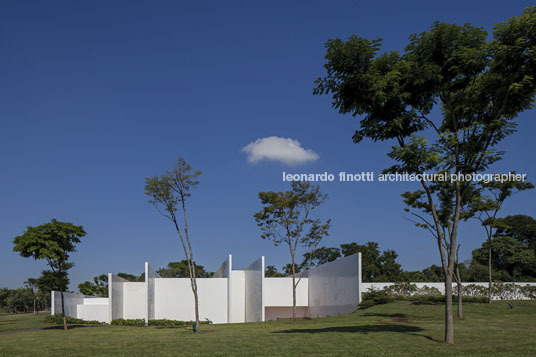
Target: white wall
[(238, 296), (94, 312), (224, 271), (254, 286), (441, 287), (334, 288), (115, 294), (174, 299), (134, 300), (278, 292), (70, 302), (150, 275)]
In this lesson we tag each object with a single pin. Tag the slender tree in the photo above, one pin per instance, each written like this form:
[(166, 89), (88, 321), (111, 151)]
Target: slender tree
[(486, 208), (168, 193), (479, 85), (31, 284), (53, 242), (286, 219)]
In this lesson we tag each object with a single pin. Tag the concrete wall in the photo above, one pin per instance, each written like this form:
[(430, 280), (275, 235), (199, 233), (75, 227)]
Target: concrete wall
[(238, 296), (150, 276), (134, 300), (224, 271), (115, 294), (174, 299), (334, 288), (278, 292), (70, 302), (254, 289)]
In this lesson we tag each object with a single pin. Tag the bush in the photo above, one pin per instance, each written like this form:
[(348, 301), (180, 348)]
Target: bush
[(162, 322), (58, 320), (401, 289)]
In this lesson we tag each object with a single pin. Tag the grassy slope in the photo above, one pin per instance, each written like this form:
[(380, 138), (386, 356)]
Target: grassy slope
[(399, 328)]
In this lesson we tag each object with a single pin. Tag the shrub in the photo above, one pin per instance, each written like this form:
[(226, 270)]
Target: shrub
[(401, 289), (58, 320), (161, 322)]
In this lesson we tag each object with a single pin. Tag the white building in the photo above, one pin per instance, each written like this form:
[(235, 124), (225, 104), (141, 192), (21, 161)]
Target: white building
[(229, 296)]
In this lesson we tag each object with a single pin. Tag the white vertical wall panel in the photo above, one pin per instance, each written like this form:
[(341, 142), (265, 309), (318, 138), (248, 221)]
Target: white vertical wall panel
[(150, 276), (238, 296), (254, 281), (278, 292), (334, 287), (115, 294)]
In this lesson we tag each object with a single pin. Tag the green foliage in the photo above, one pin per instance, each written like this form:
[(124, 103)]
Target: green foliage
[(376, 266), (99, 287), (132, 278), (180, 270), (319, 256), (271, 272), (512, 260), (53, 242), (58, 320)]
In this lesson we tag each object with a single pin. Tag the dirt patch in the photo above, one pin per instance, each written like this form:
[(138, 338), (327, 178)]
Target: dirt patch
[(401, 319)]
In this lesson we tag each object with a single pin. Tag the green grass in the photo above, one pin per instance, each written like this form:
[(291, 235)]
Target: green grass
[(400, 328)]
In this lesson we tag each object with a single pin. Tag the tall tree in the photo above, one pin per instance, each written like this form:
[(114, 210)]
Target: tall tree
[(168, 193), (286, 219), (487, 206), (480, 87), (53, 242)]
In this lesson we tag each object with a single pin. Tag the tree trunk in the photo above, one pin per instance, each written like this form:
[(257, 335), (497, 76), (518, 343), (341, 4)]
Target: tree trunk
[(196, 303), (490, 282), (449, 323), (293, 289), (63, 312), (35, 305), (460, 300)]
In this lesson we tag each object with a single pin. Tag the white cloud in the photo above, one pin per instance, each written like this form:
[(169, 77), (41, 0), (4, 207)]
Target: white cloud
[(286, 150)]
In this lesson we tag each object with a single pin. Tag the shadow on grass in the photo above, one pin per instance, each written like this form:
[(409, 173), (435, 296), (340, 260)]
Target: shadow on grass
[(69, 327), (385, 315), (428, 303), (365, 329)]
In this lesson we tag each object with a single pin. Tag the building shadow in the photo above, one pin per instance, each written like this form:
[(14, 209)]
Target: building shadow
[(364, 329)]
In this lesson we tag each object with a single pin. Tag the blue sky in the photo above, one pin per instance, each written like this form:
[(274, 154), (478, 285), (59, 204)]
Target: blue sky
[(97, 95)]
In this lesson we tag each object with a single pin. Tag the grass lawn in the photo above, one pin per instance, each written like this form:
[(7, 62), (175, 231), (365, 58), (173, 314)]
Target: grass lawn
[(401, 328)]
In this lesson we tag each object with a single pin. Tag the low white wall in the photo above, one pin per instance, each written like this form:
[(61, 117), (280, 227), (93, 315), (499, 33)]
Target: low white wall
[(284, 312), (441, 287), (278, 292), (70, 303), (174, 299), (238, 296), (254, 285), (334, 288), (94, 312)]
